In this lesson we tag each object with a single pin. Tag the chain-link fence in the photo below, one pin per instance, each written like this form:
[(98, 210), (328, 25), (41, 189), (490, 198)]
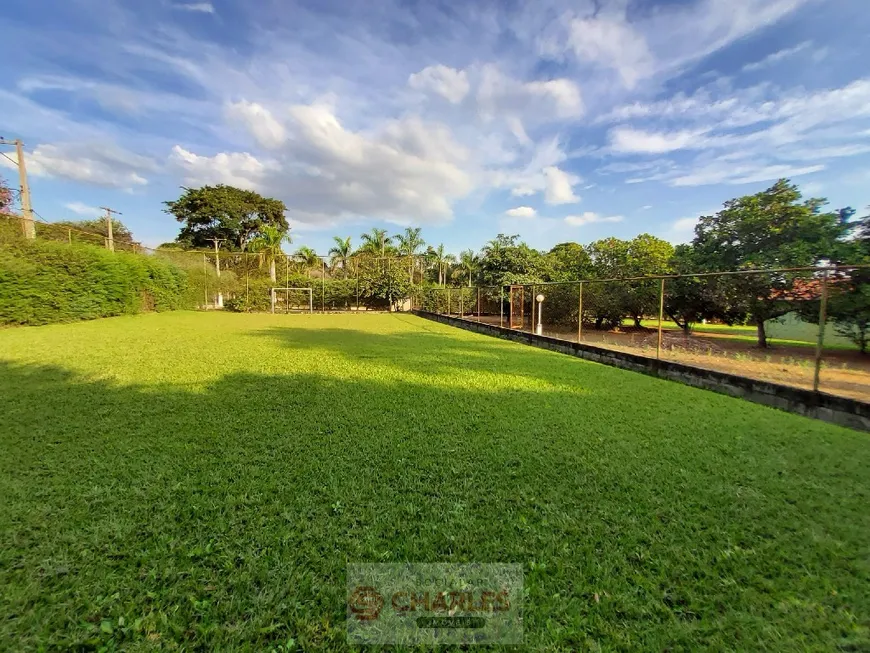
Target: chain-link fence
[(758, 324)]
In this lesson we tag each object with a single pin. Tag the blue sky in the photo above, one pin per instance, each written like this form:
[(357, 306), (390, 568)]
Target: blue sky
[(552, 119)]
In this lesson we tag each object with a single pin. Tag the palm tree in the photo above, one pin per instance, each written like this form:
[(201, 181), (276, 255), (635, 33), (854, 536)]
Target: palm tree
[(340, 252), (268, 244), (440, 259), (375, 242), (308, 257), (469, 262), (410, 244)]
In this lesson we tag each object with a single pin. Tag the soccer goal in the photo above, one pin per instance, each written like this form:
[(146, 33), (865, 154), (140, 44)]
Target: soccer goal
[(294, 299)]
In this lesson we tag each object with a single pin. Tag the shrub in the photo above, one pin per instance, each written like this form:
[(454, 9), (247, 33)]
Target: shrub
[(42, 282)]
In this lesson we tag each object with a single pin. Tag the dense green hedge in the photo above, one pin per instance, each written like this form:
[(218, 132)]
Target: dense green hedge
[(43, 282)]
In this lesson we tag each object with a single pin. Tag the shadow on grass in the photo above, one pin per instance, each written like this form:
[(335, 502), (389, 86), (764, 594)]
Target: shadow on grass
[(141, 517)]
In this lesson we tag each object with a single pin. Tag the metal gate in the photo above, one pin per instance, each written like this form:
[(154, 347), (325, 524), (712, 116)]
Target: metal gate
[(517, 318)]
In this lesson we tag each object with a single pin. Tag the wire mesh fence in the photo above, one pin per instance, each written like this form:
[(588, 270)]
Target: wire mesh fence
[(760, 324)]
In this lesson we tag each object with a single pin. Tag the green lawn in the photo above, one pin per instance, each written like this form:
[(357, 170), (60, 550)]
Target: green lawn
[(200, 481), (786, 330)]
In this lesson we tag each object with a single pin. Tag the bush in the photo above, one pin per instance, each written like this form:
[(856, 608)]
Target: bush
[(43, 282)]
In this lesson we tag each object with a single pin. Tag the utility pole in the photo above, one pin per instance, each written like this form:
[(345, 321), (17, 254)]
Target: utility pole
[(110, 240), (217, 266), (28, 226)]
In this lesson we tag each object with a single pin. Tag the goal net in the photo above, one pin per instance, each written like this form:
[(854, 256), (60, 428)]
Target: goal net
[(292, 300)]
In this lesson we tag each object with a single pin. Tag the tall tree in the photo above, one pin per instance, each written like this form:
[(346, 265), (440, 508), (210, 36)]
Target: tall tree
[(410, 243), (569, 262), (340, 253), (771, 229), (375, 242), (506, 261), (849, 292), (268, 244), (232, 214), (469, 263), (440, 259), (309, 259)]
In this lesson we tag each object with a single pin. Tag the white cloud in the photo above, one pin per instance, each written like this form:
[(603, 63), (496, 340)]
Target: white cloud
[(563, 93), (682, 230), (523, 191), (234, 168), (501, 96), (559, 186), (723, 173), (521, 212), (588, 217), (776, 57), (629, 140), (408, 172), (83, 209), (102, 164), (259, 121), (449, 83), (201, 7), (612, 42)]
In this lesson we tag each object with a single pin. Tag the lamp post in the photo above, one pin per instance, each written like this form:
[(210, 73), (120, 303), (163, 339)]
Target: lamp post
[(539, 329)]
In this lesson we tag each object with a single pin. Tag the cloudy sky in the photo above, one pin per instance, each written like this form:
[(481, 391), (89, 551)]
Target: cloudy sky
[(554, 119)]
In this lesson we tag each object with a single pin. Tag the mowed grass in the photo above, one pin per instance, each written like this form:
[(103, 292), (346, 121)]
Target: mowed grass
[(200, 481)]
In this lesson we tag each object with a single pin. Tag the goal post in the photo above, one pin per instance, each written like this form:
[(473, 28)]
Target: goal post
[(274, 298)]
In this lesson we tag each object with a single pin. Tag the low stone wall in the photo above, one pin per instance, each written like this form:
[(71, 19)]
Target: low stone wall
[(819, 405)]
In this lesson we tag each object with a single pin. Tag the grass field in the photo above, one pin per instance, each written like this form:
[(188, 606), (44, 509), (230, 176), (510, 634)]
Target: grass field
[(200, 481), (787, 330)]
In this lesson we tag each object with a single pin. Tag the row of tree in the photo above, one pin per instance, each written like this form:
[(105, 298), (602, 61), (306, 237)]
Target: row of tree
[(773, 229)]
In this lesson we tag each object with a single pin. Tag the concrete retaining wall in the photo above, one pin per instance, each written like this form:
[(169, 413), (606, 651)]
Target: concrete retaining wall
[(829, 408)]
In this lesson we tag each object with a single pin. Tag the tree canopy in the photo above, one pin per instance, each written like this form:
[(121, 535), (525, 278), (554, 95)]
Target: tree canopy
[(234, 215), (775, 228)]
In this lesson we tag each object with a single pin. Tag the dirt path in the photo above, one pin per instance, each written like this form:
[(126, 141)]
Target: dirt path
[(844, 372)]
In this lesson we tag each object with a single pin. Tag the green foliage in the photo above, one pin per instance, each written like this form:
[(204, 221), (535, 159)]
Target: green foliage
[(690, 300), (570, 262), (268, 244), (506, 261), (168, 483), (235, 215), (384, 283), (42, 282), (771, 229), (92, 232), (376, 242)]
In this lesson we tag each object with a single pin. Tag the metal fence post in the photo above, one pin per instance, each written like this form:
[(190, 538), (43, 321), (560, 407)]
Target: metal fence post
[(461, 295), (580, 315), (661, 313), (448, 302), (356, 267), (501, 306), (478, 303), (205, 283), (322, 285), (823, 319), (532, 325)]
